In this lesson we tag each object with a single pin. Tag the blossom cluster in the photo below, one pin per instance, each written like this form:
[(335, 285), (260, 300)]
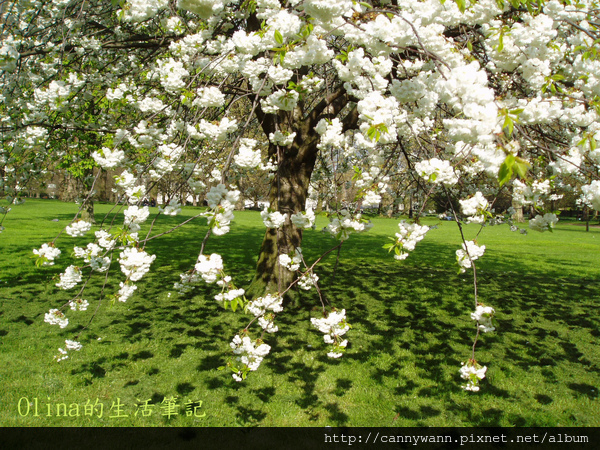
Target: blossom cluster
[(109, 159), (211, 270), (475, 208), (437, 171), (346, 223), (70, 345), (591, 194), (79, 304), (78, 228), (531, 193), (483, 315), (69, 278), (47, 254), (125, 291), (293, 261), (407, 238), (473, 373), (333, 326), (134, 216), (470, 252), (92, 255), (304, 219), (260, 308), (56, 317), (249, 353), (307, 280), (135, 263), (273, 219), (172, 209), (210, 267), (221, 202), (247, 157), (543, 223)]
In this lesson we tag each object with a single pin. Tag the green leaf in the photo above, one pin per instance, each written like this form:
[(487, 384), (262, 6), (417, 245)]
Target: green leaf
[(462, 5), (506, 171), (508, 125), (278, 37), (521, 167)]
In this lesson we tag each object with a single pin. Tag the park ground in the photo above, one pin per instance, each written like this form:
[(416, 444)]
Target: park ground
[(153, 361)]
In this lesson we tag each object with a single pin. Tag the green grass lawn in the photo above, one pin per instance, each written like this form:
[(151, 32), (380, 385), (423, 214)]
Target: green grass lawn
[(411, 328)]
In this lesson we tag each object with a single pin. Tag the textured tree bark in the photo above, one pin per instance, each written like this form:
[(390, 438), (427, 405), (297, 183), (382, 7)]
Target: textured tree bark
[(289, 187), (88, 212), (288, 193)]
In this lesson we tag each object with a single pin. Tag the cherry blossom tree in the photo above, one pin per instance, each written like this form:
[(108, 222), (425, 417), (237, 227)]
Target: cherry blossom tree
[(457, 100)]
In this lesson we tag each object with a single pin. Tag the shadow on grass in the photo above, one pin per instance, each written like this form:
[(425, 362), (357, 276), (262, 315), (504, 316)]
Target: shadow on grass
[(413, 314)]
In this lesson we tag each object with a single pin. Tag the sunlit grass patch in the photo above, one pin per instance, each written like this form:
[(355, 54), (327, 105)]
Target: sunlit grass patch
[(411, 329)]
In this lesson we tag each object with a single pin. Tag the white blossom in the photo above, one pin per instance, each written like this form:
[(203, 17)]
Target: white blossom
[(55, 317), (483, 315), (591, 194), (473, 373), (172, 209), (79, 304), (135, 263), (209, 97), (437, 171), (407, 238), (209, 267), (475, 207), (107, 158), (136, 215), (543, 223), (273, 219), (69, 278), (47, 254), (73, 345), (247, 157), (470, 252), (126, 291), (304, 219), (78, 228)]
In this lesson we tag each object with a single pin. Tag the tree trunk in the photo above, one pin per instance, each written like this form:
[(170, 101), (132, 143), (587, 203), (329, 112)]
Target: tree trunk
[(288, 194), (518, 215), (87, 213), (289, 187), (69, 188)]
